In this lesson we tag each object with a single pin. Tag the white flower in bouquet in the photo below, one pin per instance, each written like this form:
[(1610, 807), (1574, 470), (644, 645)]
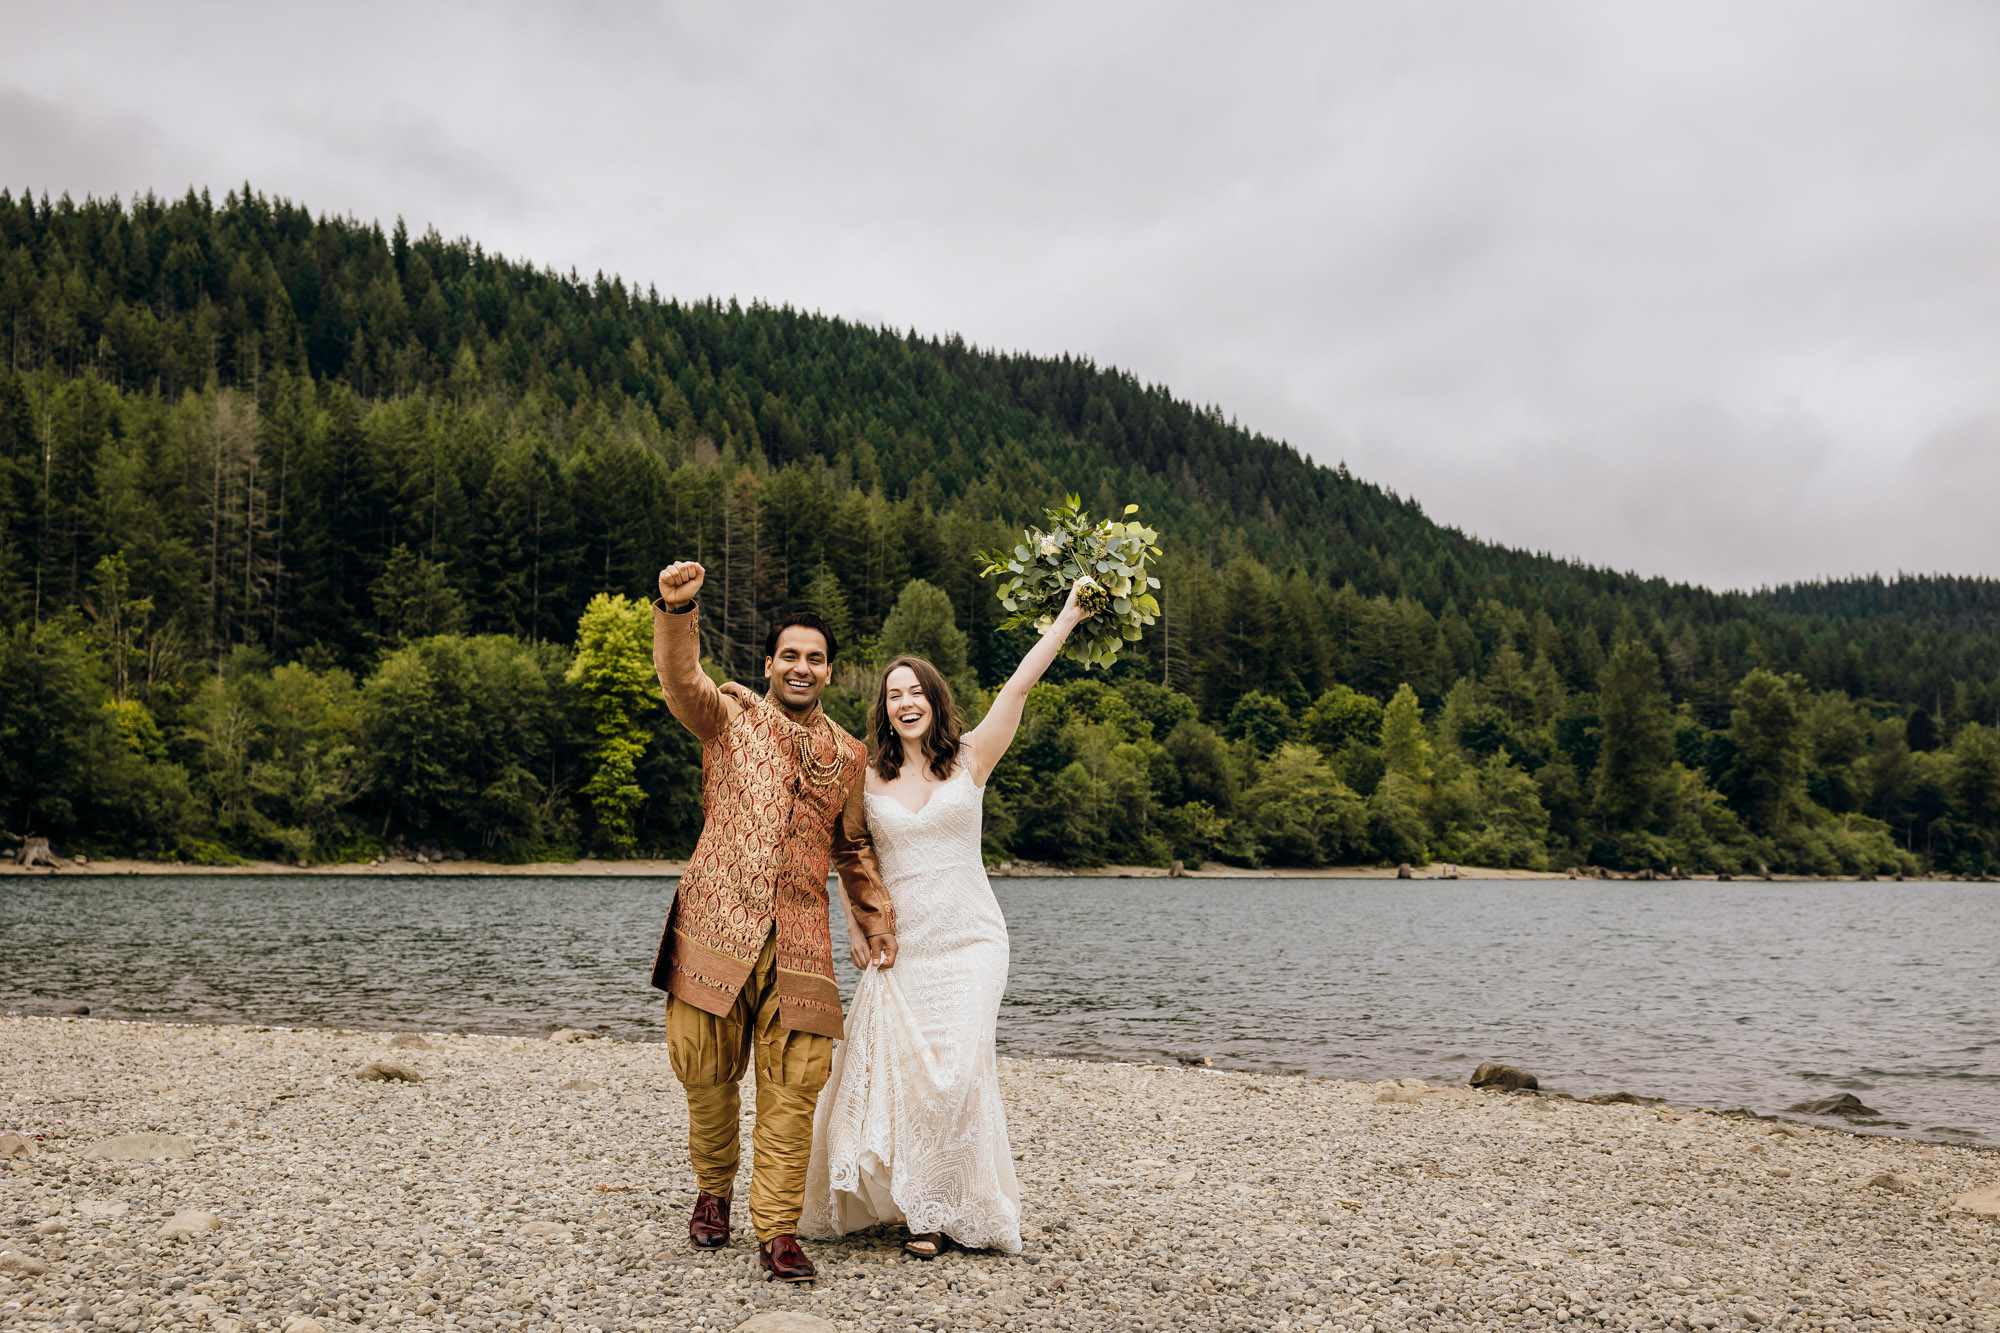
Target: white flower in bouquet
[(1113, 554)]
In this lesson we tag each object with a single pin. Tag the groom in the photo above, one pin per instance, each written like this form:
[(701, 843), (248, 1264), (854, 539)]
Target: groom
[(747, 956)]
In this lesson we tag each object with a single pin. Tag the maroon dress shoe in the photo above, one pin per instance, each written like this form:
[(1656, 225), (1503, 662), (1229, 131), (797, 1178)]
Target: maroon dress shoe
[(709, 1227), (785, 1260)]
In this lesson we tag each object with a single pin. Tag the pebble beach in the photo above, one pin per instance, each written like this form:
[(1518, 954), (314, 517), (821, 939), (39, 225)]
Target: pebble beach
[(238, 1178)]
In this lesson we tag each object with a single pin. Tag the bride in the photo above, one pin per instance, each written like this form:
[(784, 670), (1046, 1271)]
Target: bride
[(910, 1126)]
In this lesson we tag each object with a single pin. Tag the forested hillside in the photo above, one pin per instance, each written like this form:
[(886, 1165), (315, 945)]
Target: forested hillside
[(316, 538)]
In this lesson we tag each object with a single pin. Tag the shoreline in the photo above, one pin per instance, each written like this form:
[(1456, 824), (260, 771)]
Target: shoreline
[(642, 868), (1831, 1124), (520, 1183)]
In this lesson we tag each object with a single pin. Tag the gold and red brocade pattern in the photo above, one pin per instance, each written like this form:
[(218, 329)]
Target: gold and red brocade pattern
[(773, 789)]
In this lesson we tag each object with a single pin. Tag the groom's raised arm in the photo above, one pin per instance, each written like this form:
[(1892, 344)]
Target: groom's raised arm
[(691, 696), (860, 877)]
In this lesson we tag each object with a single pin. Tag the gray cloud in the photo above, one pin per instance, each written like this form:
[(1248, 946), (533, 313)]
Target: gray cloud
[(1696, 289), (48, 146)]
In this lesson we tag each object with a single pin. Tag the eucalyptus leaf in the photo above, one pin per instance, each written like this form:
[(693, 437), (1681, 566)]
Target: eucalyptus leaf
[(1034, 578)]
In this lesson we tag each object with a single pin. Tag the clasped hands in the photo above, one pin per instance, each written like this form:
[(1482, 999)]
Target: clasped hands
[(863, 950)]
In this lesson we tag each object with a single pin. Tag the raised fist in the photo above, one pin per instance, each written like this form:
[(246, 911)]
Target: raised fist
[(680, 581)]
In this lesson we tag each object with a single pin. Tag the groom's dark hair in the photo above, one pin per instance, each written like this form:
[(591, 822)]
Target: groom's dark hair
[(801, 620)]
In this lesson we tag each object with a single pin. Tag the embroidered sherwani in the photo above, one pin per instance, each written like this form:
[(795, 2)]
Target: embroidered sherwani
[(782, 801), (747, 954)]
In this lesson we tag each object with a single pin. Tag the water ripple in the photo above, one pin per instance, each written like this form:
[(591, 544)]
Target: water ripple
[(1756, 995)]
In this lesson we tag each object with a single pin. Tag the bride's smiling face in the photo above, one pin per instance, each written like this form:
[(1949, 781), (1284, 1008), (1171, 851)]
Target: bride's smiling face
[(909, 710)]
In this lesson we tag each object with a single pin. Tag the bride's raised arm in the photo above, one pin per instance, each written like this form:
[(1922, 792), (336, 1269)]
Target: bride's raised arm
[(990, 739)]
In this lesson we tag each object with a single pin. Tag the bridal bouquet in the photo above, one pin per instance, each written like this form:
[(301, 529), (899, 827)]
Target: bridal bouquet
[(1036, 575)]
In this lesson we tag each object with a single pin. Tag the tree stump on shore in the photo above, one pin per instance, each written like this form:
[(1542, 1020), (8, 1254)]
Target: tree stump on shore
[(36, 852)]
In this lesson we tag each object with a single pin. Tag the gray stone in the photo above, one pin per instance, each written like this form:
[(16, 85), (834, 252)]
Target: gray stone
[(22, 1265), (1845, 1104), (140, 1148), (74, 1011), (563, 1036), (193, 1222), (546, 1231), (1493, 1074), (785, 1321), (1893, 1183), (304, 1326), (580, 1085), (1980, 1203), (408, 1041), (16, 1145), (381, 1071)]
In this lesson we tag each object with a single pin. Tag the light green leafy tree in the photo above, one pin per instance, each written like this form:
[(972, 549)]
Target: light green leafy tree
[(1341, 717), (1405, 748), (1396, 829), (1302, 814), (613, 672), (1263, 720), (459, 739), (1514, 827)]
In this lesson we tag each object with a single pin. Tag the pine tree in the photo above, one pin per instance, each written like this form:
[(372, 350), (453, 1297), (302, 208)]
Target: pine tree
[(1635, 740)]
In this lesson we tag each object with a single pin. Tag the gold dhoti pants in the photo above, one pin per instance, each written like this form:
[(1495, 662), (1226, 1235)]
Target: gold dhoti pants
[(709, 1055)]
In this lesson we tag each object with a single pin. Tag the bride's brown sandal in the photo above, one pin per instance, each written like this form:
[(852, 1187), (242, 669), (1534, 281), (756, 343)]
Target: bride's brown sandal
[(927, 1246)]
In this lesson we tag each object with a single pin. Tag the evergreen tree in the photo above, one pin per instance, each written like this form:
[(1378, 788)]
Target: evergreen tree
[(825, 598), (247, 454), (922, 625), (1635, 740), (414, 600), (1769, 770)]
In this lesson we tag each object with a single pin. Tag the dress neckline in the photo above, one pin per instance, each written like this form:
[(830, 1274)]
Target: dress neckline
[(962, 769)]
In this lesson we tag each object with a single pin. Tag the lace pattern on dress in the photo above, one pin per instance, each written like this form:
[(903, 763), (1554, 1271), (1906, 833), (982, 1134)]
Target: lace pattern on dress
[(911, 1125)]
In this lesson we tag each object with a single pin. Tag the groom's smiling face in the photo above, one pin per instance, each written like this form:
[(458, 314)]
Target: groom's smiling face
[(800, 668)]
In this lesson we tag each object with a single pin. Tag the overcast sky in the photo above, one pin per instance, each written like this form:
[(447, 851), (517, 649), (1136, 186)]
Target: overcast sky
[(1703, 290)]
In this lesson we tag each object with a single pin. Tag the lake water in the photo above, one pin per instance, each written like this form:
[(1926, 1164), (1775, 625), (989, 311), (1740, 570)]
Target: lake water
[(1733, 995)]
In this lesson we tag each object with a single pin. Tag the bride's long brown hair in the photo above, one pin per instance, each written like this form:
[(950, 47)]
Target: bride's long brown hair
[(940, 739)]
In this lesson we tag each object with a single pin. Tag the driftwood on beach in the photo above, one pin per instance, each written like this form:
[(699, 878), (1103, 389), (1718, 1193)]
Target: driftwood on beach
[(36, 852)]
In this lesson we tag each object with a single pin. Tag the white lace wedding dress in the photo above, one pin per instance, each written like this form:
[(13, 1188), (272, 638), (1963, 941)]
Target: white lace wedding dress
[(910, 1127)]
